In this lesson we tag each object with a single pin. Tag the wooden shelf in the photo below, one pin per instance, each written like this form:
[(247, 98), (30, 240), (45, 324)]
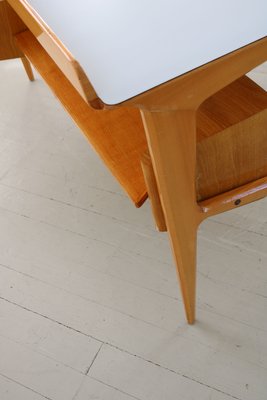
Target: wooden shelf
[(117, 135), (232, 138), (8, 48)]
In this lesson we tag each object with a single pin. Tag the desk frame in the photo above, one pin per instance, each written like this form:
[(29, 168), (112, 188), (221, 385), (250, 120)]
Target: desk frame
[(169, 116)]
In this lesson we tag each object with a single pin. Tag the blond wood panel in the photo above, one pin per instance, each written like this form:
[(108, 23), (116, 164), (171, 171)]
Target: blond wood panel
[(117, 135), (232, 138), (62, 57), (240, 100), (8, 48), (236, 156)]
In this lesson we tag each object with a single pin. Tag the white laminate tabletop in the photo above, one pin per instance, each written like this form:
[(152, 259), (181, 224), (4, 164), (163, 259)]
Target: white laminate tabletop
[(129, 46)]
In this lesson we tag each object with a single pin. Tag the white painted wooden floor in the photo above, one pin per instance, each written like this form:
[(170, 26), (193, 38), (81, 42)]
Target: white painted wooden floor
[(89, 303)]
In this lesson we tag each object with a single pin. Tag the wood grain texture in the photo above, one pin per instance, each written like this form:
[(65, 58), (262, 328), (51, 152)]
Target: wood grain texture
[(236, 102), (8, 22), (232, 138), (117, 135)]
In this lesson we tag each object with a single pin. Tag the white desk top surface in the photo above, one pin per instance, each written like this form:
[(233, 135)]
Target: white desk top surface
[(129, 46)]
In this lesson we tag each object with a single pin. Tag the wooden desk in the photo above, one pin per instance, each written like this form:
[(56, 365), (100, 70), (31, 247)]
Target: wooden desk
[(179, 65)]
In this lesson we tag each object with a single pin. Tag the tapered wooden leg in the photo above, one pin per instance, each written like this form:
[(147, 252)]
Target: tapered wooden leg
[(28, 68), (171, 137)]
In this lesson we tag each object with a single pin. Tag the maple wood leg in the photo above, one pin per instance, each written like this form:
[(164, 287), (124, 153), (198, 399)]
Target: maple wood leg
[(28, 68), (171, 137)]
